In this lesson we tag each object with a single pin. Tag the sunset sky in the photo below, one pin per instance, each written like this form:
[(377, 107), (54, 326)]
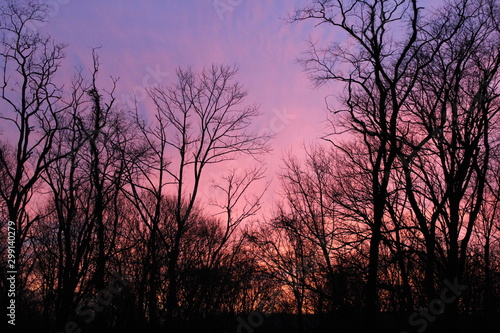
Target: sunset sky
[(143, 42), (375, 206)]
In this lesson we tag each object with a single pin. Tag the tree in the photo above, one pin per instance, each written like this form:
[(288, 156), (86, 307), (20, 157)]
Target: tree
[(200, 122), (447, 137), (30, 101), (372, 67), (78, 235)]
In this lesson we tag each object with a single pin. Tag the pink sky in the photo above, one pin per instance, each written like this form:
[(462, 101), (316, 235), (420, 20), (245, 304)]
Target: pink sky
[(139, 38)]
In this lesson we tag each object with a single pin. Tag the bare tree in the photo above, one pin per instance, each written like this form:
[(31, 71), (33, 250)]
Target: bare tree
[(379, 69), (485, 237), (302, 246), (447, 137), (79, 234), (200, 122), (30, 111)]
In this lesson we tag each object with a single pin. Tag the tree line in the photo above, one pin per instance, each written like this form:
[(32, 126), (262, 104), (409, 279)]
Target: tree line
[(393, 211)]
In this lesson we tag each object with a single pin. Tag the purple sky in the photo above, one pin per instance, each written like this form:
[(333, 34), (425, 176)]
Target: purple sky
[(139, 38)]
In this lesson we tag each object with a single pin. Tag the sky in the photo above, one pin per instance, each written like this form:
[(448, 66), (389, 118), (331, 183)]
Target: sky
[(143, 42)]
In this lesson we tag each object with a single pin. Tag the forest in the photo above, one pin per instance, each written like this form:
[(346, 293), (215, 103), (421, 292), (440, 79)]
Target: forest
[(388, 223)]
